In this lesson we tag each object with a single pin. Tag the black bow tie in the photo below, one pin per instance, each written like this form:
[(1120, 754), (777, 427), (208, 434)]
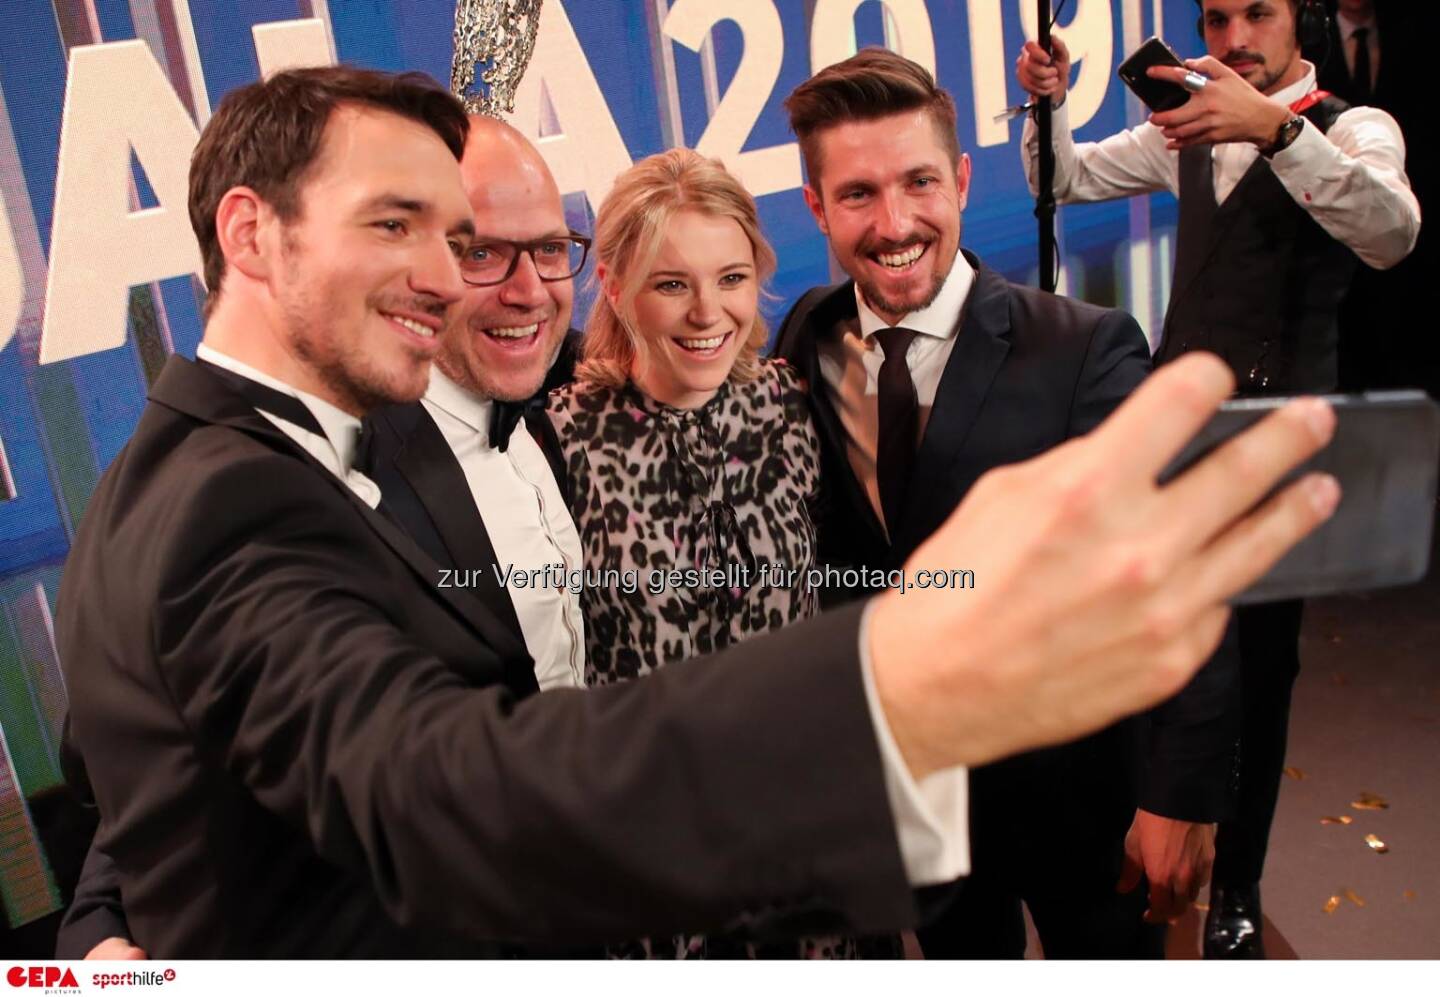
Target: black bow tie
[(505, 416), (363, 459)]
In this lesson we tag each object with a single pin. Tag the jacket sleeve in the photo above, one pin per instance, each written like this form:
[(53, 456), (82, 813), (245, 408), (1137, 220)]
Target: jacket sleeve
[(1189, 753), (1117, 359), (1190, 759), (96, 913), (747, 781)]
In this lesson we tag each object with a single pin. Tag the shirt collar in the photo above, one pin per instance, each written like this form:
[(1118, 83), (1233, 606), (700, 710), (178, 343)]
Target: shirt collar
[(1348, 27), (1296, 90), (341, 428), (943, 314), (462, 403)]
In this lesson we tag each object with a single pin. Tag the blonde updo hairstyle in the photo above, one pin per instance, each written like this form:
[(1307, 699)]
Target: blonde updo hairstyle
[(629, 230)]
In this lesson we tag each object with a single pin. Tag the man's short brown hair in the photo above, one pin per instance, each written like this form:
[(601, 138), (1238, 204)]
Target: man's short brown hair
[(265, 136), (873, 83)]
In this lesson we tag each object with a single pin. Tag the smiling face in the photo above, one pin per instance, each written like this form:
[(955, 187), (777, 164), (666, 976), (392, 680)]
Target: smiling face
[(1256, 38), (694, 307), (368, 268), (501, 339), (889, 201)]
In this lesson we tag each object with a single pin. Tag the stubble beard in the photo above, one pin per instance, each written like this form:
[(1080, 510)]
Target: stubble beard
[(354, 380), (879, 303)]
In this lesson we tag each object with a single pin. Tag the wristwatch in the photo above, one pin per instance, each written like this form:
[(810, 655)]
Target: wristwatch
[(1285, 137)]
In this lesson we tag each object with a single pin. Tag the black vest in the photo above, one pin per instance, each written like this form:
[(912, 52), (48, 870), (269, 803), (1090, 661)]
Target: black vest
[(1257, 280)]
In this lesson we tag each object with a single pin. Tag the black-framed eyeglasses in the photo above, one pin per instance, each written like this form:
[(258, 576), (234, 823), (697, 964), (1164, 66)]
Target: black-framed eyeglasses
[(487, 262)]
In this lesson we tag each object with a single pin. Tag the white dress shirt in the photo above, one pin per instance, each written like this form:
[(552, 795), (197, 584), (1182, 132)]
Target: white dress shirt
[(528, 524), (1349, 44), (525, 517), (850, 364), (1352, 180), (335, 450)]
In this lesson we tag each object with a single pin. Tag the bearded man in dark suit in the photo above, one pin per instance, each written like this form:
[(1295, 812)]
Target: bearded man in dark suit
[(927, 370), (456, 476)]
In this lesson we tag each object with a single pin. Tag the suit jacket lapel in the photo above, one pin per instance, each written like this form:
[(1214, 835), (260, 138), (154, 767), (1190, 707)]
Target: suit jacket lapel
[(981, 344), (429, 465), (187, 388)]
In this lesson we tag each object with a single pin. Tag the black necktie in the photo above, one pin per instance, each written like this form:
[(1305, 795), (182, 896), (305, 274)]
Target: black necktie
[(899, 422), (1361, 75), (267, 399)]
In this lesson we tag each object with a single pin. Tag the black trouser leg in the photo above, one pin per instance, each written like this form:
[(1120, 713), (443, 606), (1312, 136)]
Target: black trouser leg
[(1098, 924), (1269, 664), (984, 921)]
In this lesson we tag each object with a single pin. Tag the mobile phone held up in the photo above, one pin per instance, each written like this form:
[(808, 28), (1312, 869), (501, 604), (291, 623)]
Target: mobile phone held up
[(1158, 95), (1386, 455)]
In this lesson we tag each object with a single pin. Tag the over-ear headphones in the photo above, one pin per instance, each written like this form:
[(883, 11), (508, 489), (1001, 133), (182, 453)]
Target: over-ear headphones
[(1312, 26)]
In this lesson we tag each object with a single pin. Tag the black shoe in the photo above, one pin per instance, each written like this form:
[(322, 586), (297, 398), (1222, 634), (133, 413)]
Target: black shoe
[(1232, 927)]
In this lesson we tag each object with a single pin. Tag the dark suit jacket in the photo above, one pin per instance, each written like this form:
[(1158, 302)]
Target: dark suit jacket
[(303, 747), (1333, 74), (426, 494), (1028, 371), (1377, 346), (423, 487)]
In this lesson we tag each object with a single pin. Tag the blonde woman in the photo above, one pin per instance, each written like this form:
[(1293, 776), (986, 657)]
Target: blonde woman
[(686, 452)]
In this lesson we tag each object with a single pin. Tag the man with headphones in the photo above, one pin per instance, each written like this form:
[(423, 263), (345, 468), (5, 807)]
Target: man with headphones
[(1283, 190)]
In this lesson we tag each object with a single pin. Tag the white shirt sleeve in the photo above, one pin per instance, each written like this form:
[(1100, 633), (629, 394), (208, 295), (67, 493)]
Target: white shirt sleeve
[(1353, 183), (932, 815), (1127, 163)]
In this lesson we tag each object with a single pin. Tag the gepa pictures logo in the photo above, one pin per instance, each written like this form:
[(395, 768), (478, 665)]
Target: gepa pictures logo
[(41, 976)]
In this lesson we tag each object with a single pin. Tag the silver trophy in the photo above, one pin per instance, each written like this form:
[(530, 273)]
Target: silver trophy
[(498, 35)]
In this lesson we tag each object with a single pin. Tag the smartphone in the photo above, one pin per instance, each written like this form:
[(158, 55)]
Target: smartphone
[(1158, 95), (1386, 455)]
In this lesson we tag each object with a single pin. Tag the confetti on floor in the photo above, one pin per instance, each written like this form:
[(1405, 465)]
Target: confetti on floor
[(1354, 898), (1370, 801), (1375, 843), (1332, 904), (1336, 820), (1408, 895), (1294, 773)]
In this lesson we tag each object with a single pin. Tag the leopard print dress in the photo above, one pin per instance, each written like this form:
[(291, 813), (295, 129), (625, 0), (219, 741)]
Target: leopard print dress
[(671, 500), (722, 489)]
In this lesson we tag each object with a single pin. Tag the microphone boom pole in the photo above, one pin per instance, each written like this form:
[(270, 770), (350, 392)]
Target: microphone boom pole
[(1045, 199)]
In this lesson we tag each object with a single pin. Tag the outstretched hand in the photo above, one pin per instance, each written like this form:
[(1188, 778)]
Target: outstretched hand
[(1098, 593)]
